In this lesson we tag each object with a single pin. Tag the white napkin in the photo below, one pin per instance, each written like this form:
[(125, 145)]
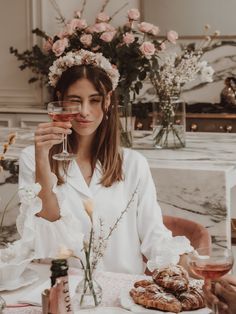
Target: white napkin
[(34, 297)]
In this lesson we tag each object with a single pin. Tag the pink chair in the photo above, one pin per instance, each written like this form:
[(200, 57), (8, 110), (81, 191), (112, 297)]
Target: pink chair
[(197, 234)]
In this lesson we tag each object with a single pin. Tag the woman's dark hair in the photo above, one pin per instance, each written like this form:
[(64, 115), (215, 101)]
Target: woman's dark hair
[(105, 146)]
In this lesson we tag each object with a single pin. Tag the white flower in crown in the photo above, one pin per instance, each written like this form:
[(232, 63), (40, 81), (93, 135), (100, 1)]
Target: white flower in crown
[(79, 58)]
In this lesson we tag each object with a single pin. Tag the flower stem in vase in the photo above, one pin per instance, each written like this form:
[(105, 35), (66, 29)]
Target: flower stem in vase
[(170, 129)]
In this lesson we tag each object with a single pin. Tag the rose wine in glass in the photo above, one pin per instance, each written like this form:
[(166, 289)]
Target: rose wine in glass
[(211, 263), (64, 111)]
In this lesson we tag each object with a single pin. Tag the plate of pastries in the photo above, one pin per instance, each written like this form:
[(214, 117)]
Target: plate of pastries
[(169, 290)]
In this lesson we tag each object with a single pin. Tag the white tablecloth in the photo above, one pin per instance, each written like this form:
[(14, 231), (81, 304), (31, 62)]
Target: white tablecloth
[(112, 284)]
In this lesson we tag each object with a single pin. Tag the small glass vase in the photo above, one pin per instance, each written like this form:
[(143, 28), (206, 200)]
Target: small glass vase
[(169, 123), (88, 294), (126, 125)]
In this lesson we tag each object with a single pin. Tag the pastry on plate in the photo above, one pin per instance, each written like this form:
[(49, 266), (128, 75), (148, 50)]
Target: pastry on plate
[(174, 278), (153, 296), (193, 298)]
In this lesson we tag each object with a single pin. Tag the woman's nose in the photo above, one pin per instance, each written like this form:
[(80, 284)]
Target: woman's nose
[(84, 110)]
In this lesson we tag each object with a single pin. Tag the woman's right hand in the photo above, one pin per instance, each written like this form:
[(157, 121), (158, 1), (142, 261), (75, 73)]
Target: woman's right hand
[(49, 134), (224, 296)]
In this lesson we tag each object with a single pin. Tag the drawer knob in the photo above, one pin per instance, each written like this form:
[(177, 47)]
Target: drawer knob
[(228, 128), (193, 127)]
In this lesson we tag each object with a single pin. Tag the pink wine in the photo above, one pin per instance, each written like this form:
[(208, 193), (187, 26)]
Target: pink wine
[(208, 271), (64, 117)]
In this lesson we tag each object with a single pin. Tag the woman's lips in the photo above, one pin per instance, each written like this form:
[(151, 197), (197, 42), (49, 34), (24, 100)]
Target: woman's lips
[(83, 122)]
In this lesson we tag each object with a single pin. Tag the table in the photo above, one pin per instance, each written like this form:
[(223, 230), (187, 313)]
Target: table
[(197, 182), (112, 285), (111, 292)]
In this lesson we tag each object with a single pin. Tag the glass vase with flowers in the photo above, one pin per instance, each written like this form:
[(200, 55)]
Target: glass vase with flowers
[(88, 293), (174, 71)]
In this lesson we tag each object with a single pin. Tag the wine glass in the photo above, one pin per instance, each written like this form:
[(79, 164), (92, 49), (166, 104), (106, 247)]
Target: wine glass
[(64, 111), (211, 263)]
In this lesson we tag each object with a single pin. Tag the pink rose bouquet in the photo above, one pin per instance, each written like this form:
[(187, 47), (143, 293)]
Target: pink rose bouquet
[(133, 48)]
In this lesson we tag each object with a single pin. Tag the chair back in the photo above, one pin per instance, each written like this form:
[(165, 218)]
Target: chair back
[(197, 234)]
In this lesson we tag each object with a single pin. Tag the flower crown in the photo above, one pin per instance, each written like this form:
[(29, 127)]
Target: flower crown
[(78, 58)]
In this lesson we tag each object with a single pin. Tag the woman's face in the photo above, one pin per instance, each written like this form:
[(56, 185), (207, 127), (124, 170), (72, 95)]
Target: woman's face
[(91, 115)]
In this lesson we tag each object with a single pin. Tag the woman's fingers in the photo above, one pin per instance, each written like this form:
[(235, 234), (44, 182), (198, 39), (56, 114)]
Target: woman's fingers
[(226, 286), (52, 130), (209, 296), (55, 124), (49, 137), (49, 143)]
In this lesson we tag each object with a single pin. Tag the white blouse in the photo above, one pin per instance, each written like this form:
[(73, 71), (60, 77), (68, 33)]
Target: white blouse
[(139, 232)]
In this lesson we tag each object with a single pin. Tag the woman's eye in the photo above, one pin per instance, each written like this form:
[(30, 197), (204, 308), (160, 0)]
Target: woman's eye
[(77, 101), (95, 100)]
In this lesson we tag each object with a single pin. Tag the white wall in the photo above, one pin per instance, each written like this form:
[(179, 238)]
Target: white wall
[(91, 9), (188, 17), (15, 25)]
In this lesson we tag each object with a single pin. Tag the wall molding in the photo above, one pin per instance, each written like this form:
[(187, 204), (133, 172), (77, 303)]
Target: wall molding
[(32, 93)]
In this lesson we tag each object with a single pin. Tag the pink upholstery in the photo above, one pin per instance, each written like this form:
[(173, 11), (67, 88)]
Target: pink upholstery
[(197, 234)]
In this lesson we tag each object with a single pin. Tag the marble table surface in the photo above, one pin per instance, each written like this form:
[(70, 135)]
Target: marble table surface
[(198, 181), (195, 182)]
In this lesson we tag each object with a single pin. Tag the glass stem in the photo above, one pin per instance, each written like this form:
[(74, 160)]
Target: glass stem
[(64, 145)]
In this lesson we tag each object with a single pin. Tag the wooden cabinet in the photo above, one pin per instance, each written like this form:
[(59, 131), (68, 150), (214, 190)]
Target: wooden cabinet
[(211, 122)]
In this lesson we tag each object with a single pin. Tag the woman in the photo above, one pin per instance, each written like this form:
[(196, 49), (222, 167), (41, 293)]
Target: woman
[(103, 172)]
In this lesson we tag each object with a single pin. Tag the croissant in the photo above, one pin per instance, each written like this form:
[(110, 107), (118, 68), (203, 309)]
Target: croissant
[(174, 278), (153, 296), (143, 283), (193, 298)]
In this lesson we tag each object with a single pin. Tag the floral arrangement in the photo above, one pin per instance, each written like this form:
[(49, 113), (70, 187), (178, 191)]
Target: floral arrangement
[(94, 248), (78, 58), (133, 47), (174, 71)]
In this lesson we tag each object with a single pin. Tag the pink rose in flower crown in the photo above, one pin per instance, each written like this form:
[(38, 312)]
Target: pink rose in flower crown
[(128, 38), (147, 48), (107, 36), (47, 46), (59, 46), (133, 14), (102, 17), (145, 27), (172, 36), (86, 39)]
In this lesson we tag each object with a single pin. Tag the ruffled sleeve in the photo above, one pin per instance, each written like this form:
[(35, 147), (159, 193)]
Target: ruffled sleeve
[(45, 237), (157, 243)]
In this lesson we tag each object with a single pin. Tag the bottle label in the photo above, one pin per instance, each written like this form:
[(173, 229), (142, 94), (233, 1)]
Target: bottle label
[(60, 302)]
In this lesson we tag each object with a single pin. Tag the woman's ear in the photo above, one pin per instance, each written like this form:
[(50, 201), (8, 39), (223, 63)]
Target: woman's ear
[(58, 95), (108, 100)]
